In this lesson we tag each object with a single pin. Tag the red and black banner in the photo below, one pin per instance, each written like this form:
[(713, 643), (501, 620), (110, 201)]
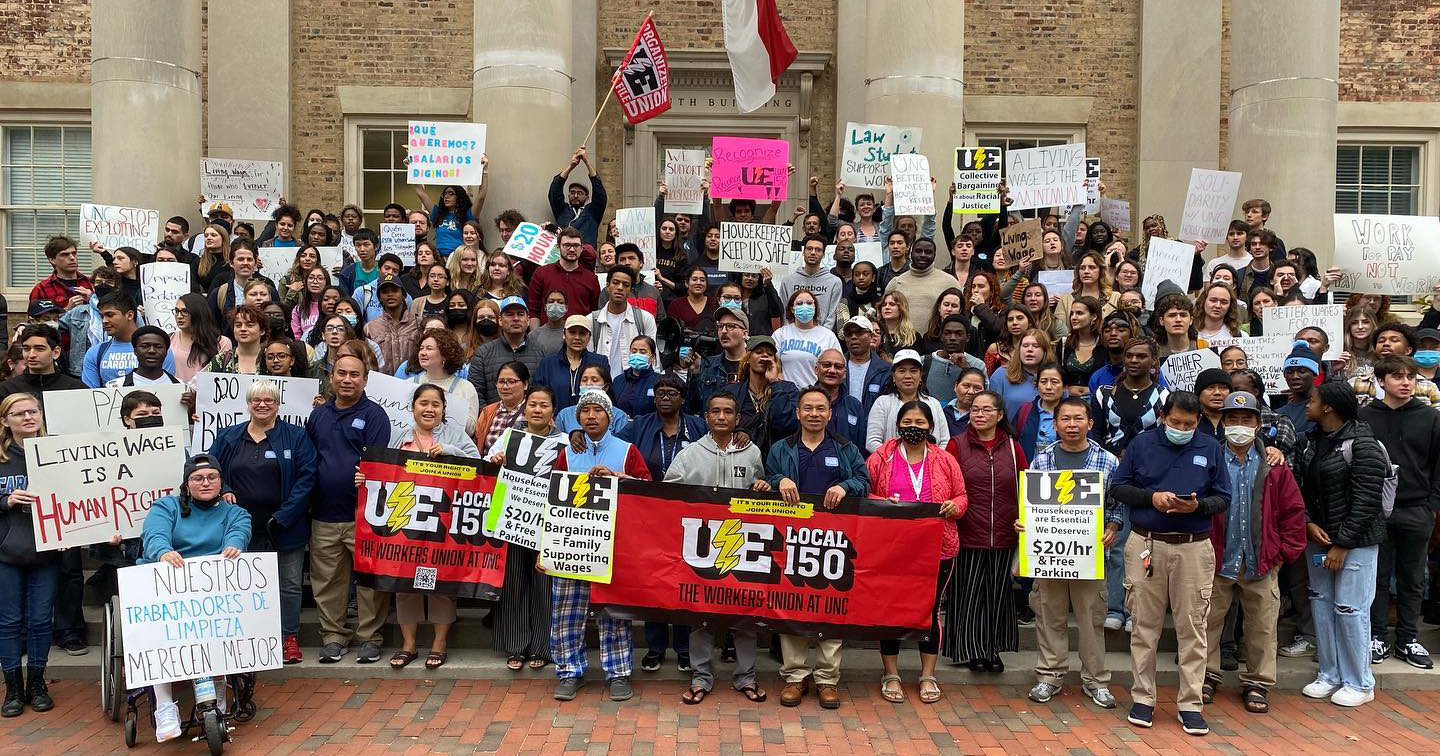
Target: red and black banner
[(642, 82), (419, 525), (695, 555)]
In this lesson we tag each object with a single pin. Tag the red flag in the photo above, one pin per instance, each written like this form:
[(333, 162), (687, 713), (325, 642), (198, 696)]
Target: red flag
[(642, 82), (759, 50)]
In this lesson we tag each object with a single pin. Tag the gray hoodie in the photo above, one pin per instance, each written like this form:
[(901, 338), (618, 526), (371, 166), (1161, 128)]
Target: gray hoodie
[(704, 464), (824, 285)]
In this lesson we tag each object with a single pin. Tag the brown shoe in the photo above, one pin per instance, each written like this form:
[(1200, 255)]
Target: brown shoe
[(794, 692), (829, 696)]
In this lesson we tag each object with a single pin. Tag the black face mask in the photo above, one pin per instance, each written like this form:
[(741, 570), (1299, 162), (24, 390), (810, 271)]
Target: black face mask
[(149, 421), (277, 323), (488, 328), (102, 289), (455, 317)]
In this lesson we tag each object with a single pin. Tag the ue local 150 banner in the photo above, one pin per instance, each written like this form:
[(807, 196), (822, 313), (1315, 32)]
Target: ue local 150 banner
[(1064, 516), (419, 525), (704, 556)]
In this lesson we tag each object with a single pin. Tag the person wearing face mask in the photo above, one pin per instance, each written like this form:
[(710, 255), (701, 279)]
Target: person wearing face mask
[(802, 339), (618, 324), (1172, 481), (1427, 354), (561, 371), (1391, 340), (823, 285), (593, 378), (635, 386)]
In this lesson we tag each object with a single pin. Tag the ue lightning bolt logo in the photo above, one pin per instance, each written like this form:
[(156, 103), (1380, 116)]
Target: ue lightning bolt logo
[(727, 539), (1065, 487), (400, 501), (581, 489)]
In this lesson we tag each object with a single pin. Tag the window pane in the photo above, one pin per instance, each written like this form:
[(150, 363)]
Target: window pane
[(17, 145), (1404, 165), (1347, 165), (48, 167), (1347, 201), (1404, 201), (397, 149), (375, 150), (19, 186), (1375, 165), (1372, 201)]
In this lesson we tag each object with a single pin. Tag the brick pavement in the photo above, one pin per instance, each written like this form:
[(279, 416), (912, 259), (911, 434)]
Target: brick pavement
[(331, 716)]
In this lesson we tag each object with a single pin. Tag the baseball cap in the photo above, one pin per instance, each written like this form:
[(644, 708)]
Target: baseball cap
[(44, 307), (384, 281), (1241, 400), (859, 321), (221, 207), (199, 462), (906, 355), (512, 301), (736, 314), (759, 341), (577, 321), (1426, 333)]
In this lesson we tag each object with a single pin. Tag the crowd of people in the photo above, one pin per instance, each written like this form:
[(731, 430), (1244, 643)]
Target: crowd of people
[(928, 377)]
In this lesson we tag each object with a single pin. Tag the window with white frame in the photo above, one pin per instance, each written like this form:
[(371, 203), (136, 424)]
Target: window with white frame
[(1377, 178), (383, 173), (1007, 143), (44, 176)]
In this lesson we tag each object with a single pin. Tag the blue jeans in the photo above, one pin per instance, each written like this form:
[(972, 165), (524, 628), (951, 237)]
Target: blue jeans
[(291, 566), (1340, 601), (27, 613), (657, 637), (1115, 573)]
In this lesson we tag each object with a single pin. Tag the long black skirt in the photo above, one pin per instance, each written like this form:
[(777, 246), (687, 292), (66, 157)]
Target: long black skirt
[(980, 607), (522, 619)]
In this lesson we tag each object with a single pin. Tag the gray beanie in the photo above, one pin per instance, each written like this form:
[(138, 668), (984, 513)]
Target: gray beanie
[(596, 397)]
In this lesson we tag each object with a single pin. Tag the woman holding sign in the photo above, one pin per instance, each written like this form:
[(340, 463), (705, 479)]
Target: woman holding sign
[(27, 578)]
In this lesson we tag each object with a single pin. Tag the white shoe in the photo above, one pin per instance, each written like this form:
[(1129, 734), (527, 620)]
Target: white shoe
[(1114, 623), (1351, 697), (167, 722), (1130, 625), (1320, 689)]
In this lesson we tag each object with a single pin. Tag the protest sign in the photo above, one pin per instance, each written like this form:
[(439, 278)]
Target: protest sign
[(1092, 185), (1209, 203), (1182, 368), (1167, 261), (684, 171), (161, 284), (88, 410), (1115, 213), (394, 395), (252, 188), (642, 81), (577, 533), (1064, 516), (275, 262), (1265, 354), (1020, 243), (220, 402), (398, 239), (522, 488), (419, 525), (115, 227), (865, 161), (699, 555), (1046, 176), (1378, 253), (748, 168), (535, 243), (1056, 282), (94, 485), (209, 616), (910, 183), (637, 226), (445, 153), (977, 180), (748, 247), (1286, 322)]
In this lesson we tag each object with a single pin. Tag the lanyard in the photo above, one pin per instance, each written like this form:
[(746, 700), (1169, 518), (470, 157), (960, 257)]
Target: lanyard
[(917, 476)]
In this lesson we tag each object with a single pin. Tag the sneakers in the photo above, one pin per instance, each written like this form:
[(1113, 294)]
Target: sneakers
[(1043, 691), (1298, 648), (1415, 655), (1348, 696), (1193, 723), (1101, 696), (1320, 689), (1379, 650), (290, 650), (1141, 715), (167, 722), (1114, 623), (651, 661), (682, 663), (566, 689), (369, 653), (75, 647), (620, 689), (1025, 616), (331, 653)]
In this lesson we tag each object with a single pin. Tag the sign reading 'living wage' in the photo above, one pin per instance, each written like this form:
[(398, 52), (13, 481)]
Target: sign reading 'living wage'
[(1378, 253), (1046, 176), (977, 180), (748, 247), (252, 188), (445, 153), (115, 227), (1208, 204), (866, 160)]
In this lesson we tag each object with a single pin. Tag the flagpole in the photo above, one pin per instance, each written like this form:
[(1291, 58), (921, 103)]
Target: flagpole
[(608, 94)]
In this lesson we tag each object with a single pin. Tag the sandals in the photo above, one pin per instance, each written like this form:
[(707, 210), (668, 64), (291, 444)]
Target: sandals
[(1208, 688), (753, 693), (893, 695), (402, 659), (929, 689), (537, 662), (435, 659), (1257, 700), (515, 662), (694, 695)]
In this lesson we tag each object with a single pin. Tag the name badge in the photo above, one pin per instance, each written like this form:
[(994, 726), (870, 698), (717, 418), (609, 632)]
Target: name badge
[(832, 462), (358, 423), (853, 419), (270, 455), (287, 453), (874, 388), (1199, 461), (650, 392)]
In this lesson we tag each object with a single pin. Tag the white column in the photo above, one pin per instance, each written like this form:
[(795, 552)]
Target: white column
[(1284, 69), (914, 72), (522, 91), (145, 104)]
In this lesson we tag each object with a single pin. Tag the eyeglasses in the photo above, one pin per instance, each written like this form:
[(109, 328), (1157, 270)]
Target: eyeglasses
[(264, 400), (506, 381), (983, 410), (334, 329), (571, 246), (666, 393), (729, 327), (211, 478), (23, 413)]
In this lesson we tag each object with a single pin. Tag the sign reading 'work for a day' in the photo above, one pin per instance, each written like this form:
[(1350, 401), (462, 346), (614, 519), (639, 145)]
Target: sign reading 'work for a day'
[(866, 159), (1063, 512), (1387, 254), (910, 183), (1046, 176), (977, 180), (533, 242), (577, 536), (210, 616), (115, 227), (748, 247), (445, 153), (747, 168), (1208, 204), (684, 172)]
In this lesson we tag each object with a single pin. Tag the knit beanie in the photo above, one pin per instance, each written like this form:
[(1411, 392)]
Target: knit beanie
[(1210, 377), (1302, 356), (598, 398)]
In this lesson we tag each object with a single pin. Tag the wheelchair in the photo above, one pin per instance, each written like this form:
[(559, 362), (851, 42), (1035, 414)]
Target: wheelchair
[(205, 718)]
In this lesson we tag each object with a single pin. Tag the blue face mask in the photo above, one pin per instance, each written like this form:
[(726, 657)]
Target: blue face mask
[(587, 389), (637, 361), (804, 313), (351, 319), (1428, 357), (1178, 437), (732, 304)]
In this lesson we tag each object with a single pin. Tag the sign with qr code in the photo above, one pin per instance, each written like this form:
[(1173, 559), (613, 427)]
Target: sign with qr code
[(424, 578)]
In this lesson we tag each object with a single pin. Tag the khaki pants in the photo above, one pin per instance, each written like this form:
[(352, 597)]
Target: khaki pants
[(1180, 582), (1260, 600), (1052, 601), (795, 650), (332, 558)]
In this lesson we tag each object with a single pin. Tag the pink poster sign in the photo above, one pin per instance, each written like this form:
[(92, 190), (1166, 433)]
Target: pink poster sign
[(747, 168)]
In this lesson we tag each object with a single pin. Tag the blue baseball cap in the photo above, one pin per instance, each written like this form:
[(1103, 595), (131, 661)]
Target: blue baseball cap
[(512, 301)]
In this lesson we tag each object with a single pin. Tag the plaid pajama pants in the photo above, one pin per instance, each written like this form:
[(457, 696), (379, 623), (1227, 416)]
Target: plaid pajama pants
[(569, 603)]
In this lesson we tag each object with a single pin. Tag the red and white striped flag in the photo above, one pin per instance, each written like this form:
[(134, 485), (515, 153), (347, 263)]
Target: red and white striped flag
[(759, 50), (642, 82)]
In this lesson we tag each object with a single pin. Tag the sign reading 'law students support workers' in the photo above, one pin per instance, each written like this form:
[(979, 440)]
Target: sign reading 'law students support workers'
[(1046, 176), (748, 247), (1063, 512), (865, 162), (1387, 254), (445, 153)]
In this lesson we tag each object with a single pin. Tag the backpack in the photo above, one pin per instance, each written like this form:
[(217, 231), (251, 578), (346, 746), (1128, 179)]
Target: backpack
[(1392, 479)]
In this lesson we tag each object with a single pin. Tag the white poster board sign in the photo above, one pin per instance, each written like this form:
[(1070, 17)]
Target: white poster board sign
[(220, 402), (1063, 512), (252, 188), (89, 410), (94, 485), (579, 504), (1092, 185), (1285, 322), (637, 226), (1264, 354), (1209, 205), (517, 508), (533, 242), (748, 247), (1182, 368), (865, 161), (445, 153), (1387, 254), (1115, 213), (977, 180), (275, 262), (115, 227), (209, 616), (398, 239), (394, 396), (913, 193), (1057, 282), (161, 285), (1046, 176), (1168, 261), (684, 171)]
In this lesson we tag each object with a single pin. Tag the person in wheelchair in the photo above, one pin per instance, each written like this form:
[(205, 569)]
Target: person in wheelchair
[(198, 522), (139, 409)]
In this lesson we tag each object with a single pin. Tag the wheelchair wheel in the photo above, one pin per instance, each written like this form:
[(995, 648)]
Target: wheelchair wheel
[(112, 663), (130, 729), (214, 731)]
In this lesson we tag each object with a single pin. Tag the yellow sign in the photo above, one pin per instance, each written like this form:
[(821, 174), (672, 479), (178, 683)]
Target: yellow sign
[(802, 510), (440, 469)]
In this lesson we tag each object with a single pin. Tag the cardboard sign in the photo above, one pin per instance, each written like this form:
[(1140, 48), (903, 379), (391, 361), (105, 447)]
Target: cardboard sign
[(445, 153), (1115, 213), (910, 177), (533, 242), (1020, 243), (252, 188), (577, 538), (1182, 368), (220, 402), (1379, 253), (748, 247), (522, 489), (275, 262), (1092, 185), (1209, 205), (747, 168), (94, 485), (115, 227), (1167, 261), (684, 172), (977, 180), (398, 239), (89, 410), (209, 616), (637, 226), (1265, 354), (1285, 322), (161, 285), (1063, 512), (1046, 176), (394, 395), (1057, 282), (865, 162)]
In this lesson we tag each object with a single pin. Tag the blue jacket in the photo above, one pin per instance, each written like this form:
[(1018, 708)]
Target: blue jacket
[(554, 371), (955, 420), (296, 456), (783, 461), (1027, 426), (585, 219), (848, 418), (644, 433), (877, 374), (1151, 463), (339, 436), (1107, 375), (206, 532), (634, 392)]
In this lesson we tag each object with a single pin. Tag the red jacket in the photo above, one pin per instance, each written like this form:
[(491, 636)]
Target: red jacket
[(581, 287), (991, 485), (1282, 518), (946, 484)]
